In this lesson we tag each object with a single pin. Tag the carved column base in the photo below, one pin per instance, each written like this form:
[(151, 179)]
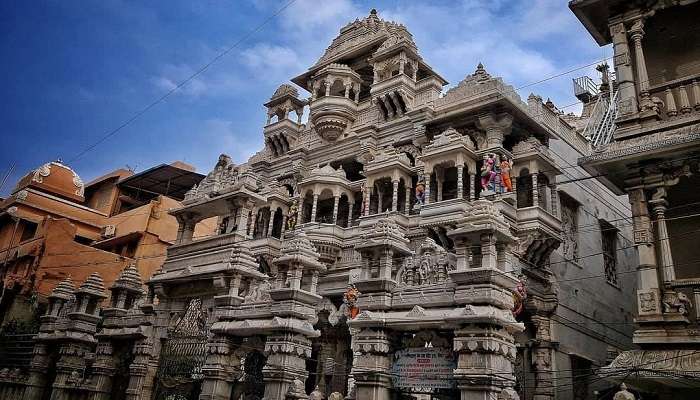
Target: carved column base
[(221, 369), (285, 370)]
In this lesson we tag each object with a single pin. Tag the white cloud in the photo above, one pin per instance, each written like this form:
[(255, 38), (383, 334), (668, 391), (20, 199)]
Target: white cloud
[(271, 62)]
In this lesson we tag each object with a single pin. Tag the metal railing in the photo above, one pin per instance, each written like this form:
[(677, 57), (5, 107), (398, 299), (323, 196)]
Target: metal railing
[(601, 125)]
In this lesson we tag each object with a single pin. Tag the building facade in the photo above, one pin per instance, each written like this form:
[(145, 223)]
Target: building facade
[(650, 152), (404, 243)]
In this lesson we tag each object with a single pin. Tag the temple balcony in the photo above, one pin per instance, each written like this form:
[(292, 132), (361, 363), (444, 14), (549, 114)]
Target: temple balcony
[(398, 83), (280, 136), (332, 116)]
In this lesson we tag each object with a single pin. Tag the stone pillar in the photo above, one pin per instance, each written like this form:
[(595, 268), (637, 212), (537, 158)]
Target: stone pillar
[(286, 362), (139, 371), (427, 188), (479, 351), (648, 293), (462, 251), (460, 182), (627, 96), (221, 369), (440, 177), (472, 185), (243, 220), (314, 207), (637, 33), (253, 222), (659, 205), (347, 91), (271, 224), (554, 200), (496, 127), (379, 201), (186, 229), (350, 207), (395, 196), (365, 201), (386, 264), (103, 370), (488, 251), (328, 88), (38, 368), (336, 201), (407, 204), (371, 365), (535, 190)]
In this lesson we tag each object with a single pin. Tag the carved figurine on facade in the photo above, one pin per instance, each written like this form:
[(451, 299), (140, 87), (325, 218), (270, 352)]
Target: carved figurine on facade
[(519, 296), (623, 394), (420, 193), (292, 215), (676, 302), (488, 173), (349, 307)]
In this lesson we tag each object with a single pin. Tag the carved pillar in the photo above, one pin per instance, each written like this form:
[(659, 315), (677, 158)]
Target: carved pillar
[(103, 370), (535, 190), (395, 196), (427, 187), (659, 205), (314, 208), (286, 362), (221, 368), (386, 264), (328, 88), (637, 33), (347, 90), (479, 351), (38, 368), (350, 207), (554, 200), (648, 294), (371, 365), (460, 181), (139, 385), (243, 220), (300, 213), (472, 185), (542, 358), (366, 197), (462, 251), (336, 201), (623, 69), (186, 229), (488, 251), (496, 127), (439, 179), (407, 204), (253, 221), (271, 224)]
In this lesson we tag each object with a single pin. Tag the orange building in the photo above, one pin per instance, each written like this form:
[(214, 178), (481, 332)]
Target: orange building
[(53, 226)]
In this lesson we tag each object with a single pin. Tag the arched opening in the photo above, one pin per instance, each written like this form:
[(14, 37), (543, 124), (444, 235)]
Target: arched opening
[(253, 384), (324, 208), (337, 88), (262, 222), (401, 196), (524, 189), (307, 204), (449, 183), (277, 222), (409, 70), (542, 186), (343, 209), (290, 190), (352, 167), (357, 208), (433, 187), (382, 194)]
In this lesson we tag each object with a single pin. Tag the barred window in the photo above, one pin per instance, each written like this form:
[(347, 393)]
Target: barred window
[(609, 241)]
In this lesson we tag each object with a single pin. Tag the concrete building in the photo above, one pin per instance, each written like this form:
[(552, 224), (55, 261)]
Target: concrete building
[(646, 145), (406, 243), (52, 226)]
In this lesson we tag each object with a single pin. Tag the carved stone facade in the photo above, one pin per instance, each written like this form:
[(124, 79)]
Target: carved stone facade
[(358, 256)]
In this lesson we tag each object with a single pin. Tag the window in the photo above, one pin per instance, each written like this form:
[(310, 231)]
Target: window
[(28, 230), (569, 225), (609, 241)]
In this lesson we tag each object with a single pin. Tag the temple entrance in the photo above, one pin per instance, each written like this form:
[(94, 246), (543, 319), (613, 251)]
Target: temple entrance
[(179, 375)]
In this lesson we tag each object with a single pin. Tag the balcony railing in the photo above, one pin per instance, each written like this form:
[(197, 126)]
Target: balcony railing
[(677, 98)]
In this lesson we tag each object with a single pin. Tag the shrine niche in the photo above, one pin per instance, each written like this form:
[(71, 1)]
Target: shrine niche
[(429, 266)]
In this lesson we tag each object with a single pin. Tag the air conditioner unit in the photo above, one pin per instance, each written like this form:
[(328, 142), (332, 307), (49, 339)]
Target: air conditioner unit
[(109, 231)]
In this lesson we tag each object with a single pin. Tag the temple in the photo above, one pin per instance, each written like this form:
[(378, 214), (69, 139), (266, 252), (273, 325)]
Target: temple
[(406, 242)]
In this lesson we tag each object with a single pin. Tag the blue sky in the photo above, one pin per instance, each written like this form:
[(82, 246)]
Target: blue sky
[(74, 70)]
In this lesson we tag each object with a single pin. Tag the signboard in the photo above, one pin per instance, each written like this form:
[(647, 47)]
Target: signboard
[(424, 368)]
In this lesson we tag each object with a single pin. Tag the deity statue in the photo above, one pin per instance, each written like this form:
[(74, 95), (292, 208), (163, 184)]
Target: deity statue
[(519, 296), (316, 394), (623, 394), (349, 306), (420, 192), (292, 216), (487, 172), (506, 166)]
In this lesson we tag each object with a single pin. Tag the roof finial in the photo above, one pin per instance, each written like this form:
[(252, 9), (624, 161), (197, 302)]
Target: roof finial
[(373, 11)]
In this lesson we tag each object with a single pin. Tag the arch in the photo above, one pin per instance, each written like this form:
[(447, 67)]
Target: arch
[(542, 186), (307, 204), (277, 222), (337, 88), (343, 209), (524, 188), (262, 221)]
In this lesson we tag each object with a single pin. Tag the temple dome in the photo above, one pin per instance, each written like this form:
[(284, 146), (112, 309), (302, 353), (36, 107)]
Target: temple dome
[(54, 178)]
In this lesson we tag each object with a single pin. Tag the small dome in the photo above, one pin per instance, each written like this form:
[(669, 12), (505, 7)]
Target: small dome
[(54, 178), (129, 279), (93, 285), (64, 290), (285, 89)]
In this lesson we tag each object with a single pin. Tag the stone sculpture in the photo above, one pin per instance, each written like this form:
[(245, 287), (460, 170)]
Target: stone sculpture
[(292, 216), (519, 296), (623, 394), (316, 394), (488, 173), (349, 307), (420, 193)]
